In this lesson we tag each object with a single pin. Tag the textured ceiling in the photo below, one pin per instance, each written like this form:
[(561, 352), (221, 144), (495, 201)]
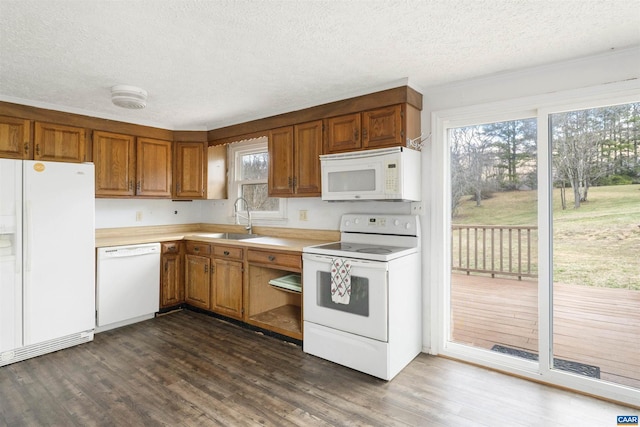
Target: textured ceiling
[(208, 64)]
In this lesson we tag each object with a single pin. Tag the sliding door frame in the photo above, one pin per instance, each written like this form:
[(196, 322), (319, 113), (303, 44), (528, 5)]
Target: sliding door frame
[(439, 277)]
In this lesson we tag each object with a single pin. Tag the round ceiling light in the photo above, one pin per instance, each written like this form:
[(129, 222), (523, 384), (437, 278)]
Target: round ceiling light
[(129, 97)]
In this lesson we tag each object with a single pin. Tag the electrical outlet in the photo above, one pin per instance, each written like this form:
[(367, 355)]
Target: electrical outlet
[(139, 216), (303, 215)]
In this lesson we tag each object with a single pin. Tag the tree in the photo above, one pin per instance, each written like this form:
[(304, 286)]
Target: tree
[(515, 141), (471, 163), (591, 144), (576, 147)]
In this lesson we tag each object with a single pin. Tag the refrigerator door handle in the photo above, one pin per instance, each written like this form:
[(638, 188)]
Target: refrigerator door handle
[(27, 237)]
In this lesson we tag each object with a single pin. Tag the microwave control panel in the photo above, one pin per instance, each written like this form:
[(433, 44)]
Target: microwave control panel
[(391, 178)]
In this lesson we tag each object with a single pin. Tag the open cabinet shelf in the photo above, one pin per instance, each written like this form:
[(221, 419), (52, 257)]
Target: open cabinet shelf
[(273, 308)]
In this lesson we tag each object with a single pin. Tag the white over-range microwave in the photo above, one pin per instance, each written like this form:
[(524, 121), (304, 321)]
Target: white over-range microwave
[(391, 174)]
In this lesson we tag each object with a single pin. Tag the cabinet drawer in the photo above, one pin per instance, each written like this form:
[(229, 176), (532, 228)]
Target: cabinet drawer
[(275, 258), (198, 248), (170, 247), (227, 252)]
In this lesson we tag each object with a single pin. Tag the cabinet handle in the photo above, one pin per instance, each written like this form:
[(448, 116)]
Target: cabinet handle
[(130, 185), (166, 267), (37, 149), (295, 181), (138, 185), (206, 269), (177, 187), (196, 249), (272, 258), (290, 181), (26, 148), (355, 134), (226, 253), (364, 134)]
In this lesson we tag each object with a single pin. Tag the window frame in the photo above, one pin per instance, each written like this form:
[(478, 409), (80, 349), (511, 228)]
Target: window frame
[(235, 152)]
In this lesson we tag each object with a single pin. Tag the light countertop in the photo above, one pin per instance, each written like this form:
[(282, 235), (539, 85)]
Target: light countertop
[(278, 239)]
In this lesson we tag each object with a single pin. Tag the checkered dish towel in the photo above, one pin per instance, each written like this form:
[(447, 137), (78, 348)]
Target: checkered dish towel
[(340, 280)]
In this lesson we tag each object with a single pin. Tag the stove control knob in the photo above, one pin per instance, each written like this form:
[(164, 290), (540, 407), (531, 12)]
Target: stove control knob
[(356, 221), (396, 222), (407, 225), (347, 223)]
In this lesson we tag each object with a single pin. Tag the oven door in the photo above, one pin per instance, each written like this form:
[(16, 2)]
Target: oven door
[(366, 312)]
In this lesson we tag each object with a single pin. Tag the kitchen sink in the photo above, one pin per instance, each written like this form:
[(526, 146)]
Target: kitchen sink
[(229, 236)]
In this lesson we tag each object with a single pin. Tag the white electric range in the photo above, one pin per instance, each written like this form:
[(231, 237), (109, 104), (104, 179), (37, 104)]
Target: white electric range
[(362, 295)]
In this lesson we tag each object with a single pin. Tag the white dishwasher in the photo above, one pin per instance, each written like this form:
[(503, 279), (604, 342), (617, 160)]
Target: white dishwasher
[(127, 285)]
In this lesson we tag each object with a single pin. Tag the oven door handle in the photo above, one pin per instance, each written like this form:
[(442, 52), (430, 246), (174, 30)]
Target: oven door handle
[(326, 259)]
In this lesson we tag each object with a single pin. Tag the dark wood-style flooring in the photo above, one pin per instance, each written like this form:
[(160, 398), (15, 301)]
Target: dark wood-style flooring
[(190, 369)]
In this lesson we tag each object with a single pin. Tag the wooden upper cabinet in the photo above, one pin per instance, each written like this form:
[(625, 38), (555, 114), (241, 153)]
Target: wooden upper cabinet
[(114, 159), (216, 172), (189, 170), (281, 162), (377, 128), (294, 160), (59, 143), (15, 138), (382, 127), (343, 133), (153, 168), (307, 151)]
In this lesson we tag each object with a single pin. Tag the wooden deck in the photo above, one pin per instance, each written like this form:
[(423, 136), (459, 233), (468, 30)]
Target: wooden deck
[(593, 326)]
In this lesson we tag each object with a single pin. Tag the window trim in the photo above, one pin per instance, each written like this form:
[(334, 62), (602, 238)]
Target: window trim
[(235, 152)]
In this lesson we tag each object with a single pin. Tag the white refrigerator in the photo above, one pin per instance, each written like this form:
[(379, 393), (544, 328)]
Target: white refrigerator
[(47, 257)]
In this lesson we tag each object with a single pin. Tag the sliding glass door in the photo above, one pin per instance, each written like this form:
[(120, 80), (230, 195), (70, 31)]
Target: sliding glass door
[(542, 243), (494, 288), (596, 242)]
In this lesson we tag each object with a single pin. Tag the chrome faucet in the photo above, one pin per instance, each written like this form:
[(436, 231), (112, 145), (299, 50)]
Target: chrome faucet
[(237, 214)]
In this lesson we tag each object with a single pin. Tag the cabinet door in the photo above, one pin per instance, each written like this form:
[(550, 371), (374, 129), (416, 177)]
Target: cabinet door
[(197, 281), (281, 162), (189, 170), (343, 133), (15, 138), (227, 288), (59, 143), (382, 128), (307, 150), (114, 159), (153, 168), (171, 289)]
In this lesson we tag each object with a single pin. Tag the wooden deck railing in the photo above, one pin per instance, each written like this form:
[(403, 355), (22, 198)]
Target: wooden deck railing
[(495, 249)]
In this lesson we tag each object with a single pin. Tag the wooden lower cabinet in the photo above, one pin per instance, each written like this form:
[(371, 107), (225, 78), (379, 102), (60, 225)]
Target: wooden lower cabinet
[(227, 288), (272, 308), (171, 275), (213, 277), (215, 280), (197, 275)]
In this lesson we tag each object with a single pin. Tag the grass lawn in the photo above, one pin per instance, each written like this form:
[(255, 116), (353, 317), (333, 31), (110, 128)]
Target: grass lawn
[(595, 245)]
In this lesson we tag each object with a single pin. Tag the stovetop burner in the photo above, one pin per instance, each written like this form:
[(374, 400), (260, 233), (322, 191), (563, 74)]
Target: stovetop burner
[(360, 250), (374, 250), (374, 237)]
